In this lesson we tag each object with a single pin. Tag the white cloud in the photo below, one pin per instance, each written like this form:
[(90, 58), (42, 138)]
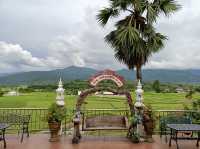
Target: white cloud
[(182, 48), (59, 34), (85, 46), (15, 54)]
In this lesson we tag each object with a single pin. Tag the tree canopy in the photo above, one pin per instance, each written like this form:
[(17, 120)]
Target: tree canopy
[(134, 38)]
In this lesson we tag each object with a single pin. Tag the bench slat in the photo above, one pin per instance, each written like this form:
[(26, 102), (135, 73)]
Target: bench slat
[(105, 123)]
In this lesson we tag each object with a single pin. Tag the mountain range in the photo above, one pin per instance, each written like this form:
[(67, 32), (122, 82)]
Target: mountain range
[(83, 73), (3, 74)]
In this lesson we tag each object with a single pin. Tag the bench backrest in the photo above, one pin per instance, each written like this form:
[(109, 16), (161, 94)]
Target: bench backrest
[(174, 120), (105, 122)]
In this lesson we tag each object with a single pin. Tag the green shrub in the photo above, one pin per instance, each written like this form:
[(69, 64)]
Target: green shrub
[(56, 113), (195, 107)]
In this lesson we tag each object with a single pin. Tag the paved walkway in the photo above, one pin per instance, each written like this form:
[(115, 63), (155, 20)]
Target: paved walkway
[(40, 141)]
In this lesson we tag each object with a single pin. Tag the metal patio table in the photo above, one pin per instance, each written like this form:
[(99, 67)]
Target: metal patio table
[(176, 128), (3, 127)]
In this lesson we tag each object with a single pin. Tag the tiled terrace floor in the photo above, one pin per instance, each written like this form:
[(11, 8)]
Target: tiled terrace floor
[(40, 141)]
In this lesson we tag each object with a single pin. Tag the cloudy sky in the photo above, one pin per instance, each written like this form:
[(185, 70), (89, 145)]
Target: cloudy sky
[(50, 34)]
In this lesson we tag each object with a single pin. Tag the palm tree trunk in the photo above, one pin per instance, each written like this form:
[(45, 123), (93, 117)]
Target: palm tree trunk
[(139, 73)]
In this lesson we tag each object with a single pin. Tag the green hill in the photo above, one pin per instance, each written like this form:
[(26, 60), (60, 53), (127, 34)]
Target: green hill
[(82, 73)]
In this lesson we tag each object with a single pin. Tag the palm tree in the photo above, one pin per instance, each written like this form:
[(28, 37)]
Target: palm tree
[(134, 39)]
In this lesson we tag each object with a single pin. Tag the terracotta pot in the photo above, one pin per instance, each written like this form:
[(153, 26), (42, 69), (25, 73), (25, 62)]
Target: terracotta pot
[(149, 127), (54, 128)]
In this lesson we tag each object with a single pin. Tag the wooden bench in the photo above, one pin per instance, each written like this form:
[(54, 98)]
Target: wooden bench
[(20, 121), (108, 122)]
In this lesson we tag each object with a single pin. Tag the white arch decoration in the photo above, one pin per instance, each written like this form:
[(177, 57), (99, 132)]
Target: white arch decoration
[(106, 75)]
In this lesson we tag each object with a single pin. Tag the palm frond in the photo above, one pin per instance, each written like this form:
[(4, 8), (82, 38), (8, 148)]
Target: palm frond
[(135, 20), (111, 39), (122, 4), (140, 6), (105, 14), (156, 42), (121, 57), (167, 6), (148, 30), (152, 13), (128, 35)]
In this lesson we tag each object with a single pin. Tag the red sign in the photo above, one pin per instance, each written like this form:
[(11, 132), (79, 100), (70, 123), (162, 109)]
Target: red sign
[(106, 75)]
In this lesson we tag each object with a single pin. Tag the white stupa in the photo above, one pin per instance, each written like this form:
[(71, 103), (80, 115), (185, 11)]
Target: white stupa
[(139, 96), (60, 94), (139, 108)]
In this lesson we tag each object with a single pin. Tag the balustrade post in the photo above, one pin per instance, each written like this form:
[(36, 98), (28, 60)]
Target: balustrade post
[(77, 134)]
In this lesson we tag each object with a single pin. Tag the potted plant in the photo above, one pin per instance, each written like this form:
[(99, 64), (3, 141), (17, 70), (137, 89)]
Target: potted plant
[(135, 138), (149, 123), (132, 132), (55, 116)]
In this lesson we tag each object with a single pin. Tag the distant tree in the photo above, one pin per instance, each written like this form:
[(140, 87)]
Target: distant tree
[(25, 90), (156, 86), (147, 86), (189, 94), (1, 93), (68, 92), (197, 89)]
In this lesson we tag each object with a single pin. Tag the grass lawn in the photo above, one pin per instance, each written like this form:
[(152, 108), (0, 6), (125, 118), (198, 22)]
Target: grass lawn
[(43, 99), (161, 101)]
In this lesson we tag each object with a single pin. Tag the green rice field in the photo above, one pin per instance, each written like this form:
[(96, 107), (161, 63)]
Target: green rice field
[(159, 101)]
